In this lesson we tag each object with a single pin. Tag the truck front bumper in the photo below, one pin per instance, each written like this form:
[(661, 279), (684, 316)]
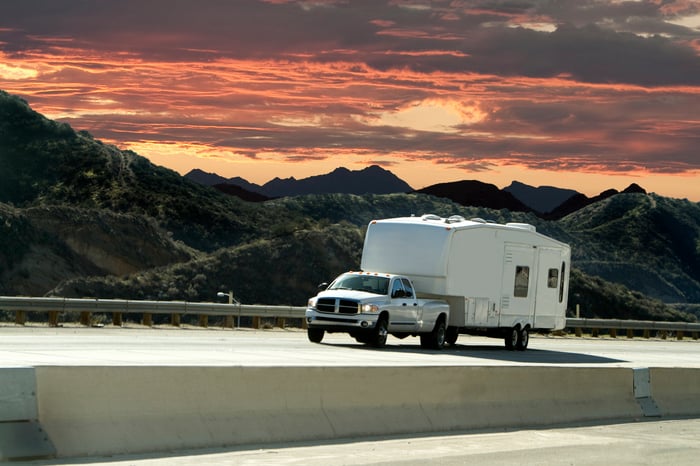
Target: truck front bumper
[(340, 322)]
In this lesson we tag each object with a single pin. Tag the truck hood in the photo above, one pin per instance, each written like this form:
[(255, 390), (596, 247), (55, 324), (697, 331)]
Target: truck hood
[(360, 296)]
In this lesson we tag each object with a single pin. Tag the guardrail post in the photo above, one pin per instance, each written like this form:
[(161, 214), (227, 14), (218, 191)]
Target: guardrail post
[(281, 322), (577, 330), (664, 334), (203, 320), (117, 319), (630, 333), (679, 335), (175, 320), (147, 320), (613, 333), (85, 319), (53, 318), (256, 322), (228, 322), (20, 317), (594, 332), (695, 335)]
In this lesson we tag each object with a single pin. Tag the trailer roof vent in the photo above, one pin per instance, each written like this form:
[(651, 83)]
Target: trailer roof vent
[(524, 226), (478, 220), (427, 217), (455, 219)]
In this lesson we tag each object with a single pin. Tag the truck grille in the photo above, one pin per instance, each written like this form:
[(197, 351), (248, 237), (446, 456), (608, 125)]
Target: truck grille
[(345, 306)]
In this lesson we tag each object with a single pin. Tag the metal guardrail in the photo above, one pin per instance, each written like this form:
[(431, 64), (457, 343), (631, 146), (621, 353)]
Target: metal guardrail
[(680, 329), (117, 307)]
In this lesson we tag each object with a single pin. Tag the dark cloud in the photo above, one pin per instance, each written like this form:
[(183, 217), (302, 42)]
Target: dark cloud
[(578, 84)]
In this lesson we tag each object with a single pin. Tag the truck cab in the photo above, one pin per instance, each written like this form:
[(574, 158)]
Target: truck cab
[(371, 305)]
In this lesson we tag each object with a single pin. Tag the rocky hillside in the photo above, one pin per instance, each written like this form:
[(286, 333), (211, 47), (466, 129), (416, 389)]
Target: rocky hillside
[(80, 218)]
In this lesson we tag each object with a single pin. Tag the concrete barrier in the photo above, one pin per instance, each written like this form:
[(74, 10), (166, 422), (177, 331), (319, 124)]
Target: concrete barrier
[(112, 410), (676, 390)]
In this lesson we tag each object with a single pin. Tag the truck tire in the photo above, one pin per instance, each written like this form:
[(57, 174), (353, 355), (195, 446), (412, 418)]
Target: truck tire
[(315, 334), (436, 338), (512, 338), (379, 334), (523, 339), (451, 335)]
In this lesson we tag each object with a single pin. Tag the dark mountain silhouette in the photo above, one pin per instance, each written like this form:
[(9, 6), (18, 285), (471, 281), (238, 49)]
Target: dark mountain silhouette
[(477, 194), (370, 180), (213, 179), (542, 199), (579, 201)]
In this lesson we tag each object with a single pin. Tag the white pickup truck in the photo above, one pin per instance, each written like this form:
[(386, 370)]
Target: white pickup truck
[(370, 306)]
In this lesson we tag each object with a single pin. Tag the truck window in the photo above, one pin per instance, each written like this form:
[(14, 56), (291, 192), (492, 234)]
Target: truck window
[(522, 281), (408, 288), (397, 289), (553, 278)]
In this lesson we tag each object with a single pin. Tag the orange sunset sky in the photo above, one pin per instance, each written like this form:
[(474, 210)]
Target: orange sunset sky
[(580, 94)]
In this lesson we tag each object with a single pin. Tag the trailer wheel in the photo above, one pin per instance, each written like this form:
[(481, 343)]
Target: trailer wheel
[(512, 338), (436, 338), (451, 335), (378, 337), (315, 334), (523, 339)]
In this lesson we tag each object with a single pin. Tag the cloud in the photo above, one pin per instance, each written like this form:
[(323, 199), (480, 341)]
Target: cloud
[(571, 85)]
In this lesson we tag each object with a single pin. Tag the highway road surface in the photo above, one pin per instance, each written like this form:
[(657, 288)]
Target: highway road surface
[(166, 346), (637, 441)]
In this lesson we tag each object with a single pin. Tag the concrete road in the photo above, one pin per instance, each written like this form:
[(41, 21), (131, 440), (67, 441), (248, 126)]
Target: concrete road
[(671, 442), (165, 346)]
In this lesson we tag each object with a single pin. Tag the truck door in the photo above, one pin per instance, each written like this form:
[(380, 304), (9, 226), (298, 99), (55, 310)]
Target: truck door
[(404, 310), (518, 289)]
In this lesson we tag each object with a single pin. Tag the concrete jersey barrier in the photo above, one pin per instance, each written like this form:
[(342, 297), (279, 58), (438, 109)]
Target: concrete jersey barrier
[(113, 410)]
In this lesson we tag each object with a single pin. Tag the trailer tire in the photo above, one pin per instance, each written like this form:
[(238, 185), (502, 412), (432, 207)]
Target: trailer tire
[(315, 334), (436, 338), (451, 335), (512, 338), (523, 339), (379, 334)]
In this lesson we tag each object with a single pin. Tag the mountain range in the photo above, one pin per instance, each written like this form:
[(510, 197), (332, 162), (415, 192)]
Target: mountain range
[(80, 218), (547, 202), (373, 179)]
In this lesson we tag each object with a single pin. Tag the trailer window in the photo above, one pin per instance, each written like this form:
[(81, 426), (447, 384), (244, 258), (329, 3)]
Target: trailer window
[(553, 278), (561, 284), (522, 281)]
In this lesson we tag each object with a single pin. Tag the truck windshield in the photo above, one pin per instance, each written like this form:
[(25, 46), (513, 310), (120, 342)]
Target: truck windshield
[(370, 284)]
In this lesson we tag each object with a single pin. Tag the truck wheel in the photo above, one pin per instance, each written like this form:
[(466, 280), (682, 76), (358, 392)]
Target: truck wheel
[(523, 339), (451, 335), (378, 337), (512, 338), (315, 334), (436, 338)]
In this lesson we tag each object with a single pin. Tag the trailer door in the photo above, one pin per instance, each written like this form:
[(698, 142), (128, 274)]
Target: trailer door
[(549, 285), (518, 290)]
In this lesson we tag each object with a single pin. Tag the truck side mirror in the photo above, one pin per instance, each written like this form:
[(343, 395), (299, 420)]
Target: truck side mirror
[(323, 285)]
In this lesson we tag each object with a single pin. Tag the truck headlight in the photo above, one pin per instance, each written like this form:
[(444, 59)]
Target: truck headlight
[(311, 303), (369, 308)]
